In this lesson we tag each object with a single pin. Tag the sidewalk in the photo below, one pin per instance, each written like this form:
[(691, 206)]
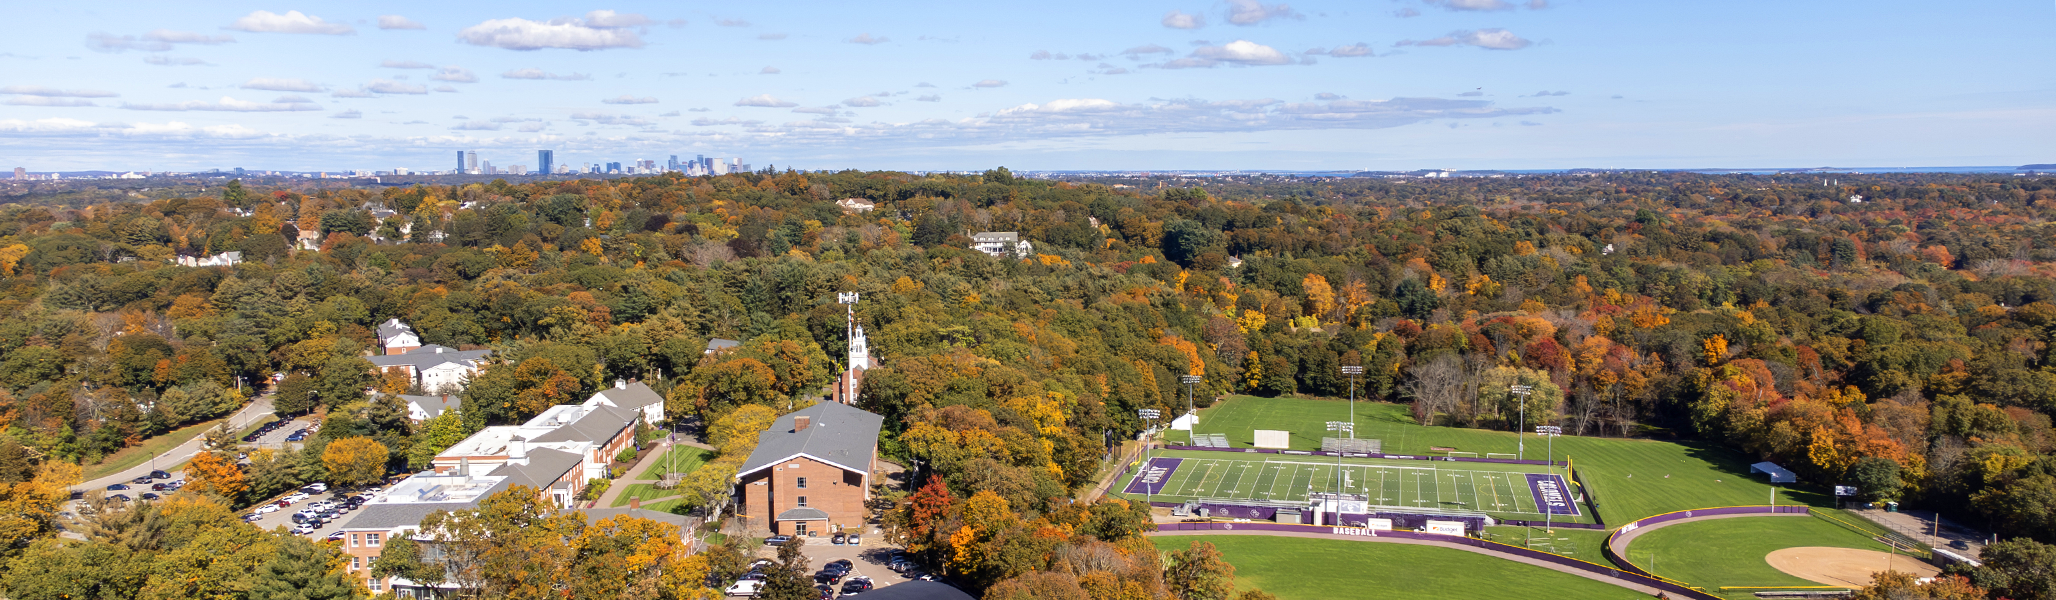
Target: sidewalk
[(259, 406)]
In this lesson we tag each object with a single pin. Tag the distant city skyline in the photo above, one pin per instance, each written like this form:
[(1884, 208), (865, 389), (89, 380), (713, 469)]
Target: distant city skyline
[(1235, 84)]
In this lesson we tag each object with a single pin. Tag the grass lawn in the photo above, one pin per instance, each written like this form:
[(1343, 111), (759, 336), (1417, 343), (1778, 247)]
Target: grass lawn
[(675, 505), (1627, 477), (1294, 568), (1581, 544), (141, 453), (688, 459), (646, 491), (1730, 552)]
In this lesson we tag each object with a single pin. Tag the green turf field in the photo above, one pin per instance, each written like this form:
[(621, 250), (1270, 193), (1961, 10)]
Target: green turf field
[(1581, 544), (1404, 484), (1628, 479), (682, 459), (1302, 568), (1730, 552)]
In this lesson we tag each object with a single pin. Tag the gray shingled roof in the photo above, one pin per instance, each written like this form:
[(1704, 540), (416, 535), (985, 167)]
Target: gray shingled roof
[(392, 327), (544, 467), (597, 426), (985, 237), (433, 405), (803, 514), (636, 395), (427, 357), (840, 434), (721, 344)]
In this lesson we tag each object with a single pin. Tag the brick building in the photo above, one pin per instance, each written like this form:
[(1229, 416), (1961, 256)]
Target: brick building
[(811, 472)]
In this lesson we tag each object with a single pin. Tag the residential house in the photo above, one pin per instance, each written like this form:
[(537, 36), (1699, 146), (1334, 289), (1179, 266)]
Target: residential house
[(718, 344), (437, 369), (1001, 244), (856, 205), (225, 259), (397, 338), (811, 472), (422, 408), (635, 396)]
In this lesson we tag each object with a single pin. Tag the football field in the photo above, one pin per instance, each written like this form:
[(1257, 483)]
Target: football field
[(1290, 479)]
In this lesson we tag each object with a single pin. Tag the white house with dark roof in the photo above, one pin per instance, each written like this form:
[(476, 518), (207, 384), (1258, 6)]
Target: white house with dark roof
[(437, 369), (397, 338), (632, 395), (422, 408), (811, 471), (1001, 244)]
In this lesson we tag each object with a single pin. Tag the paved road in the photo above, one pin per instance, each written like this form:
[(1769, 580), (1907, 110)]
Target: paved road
[(256, 408)]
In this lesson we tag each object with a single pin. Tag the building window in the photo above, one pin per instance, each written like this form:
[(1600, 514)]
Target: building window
[(803, 483), (354, 561), (371, 539), (799, 528), (376, 584), (803, 501), (354, 541)]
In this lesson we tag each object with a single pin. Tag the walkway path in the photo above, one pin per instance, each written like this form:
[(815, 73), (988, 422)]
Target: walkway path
[(1393, 540), (257, 407), (1113, 476)]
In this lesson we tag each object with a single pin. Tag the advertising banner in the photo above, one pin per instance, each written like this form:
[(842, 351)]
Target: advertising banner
[(1445, 527)]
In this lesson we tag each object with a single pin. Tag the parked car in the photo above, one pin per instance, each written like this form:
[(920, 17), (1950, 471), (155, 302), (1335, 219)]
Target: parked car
[(838, 538), (140, 480), (159, 475), (855, 585), (335, 537), (777, 539), (302, 529), (839, 566), (266, 509), (854, 539), (252, 517), (827, 593), (827, 577), (150, 496), (744, 588), (117, 487), (315, 488), (118, 498)]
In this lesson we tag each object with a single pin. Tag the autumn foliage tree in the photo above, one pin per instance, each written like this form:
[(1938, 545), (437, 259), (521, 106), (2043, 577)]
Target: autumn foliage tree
[(215, 473), (355, 461)]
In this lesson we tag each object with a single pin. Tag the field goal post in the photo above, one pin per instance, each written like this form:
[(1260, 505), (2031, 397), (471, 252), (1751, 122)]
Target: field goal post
[(1456, 453), (1501, 455)]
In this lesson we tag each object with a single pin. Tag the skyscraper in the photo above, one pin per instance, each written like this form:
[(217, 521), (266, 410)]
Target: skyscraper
[(21, 174), (460, 161), (472, 158), (545, 162)]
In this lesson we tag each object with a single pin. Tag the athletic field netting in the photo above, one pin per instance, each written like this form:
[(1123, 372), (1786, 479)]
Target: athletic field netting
[(1289, 479)]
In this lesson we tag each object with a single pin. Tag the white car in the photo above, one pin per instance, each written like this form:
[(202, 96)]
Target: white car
[(268, 508), (302, 529), (316, 487), (746, 587)]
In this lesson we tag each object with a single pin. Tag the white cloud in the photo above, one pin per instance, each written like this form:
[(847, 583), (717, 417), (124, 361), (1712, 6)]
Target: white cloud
[(48, 101), (989, 83), (929, 98), (446, 89), (706, 122), (157, 40), (1328, 96), (52, 125), (612, 119), (765, 101), (293, 21), (394, 87), (924, 84), (1471, 5), (628, 99), (1239, 52), (173, 61), (599, 31), (348, 114), (455, 74), (1545, 93), (404, 64), (531, 127), (1352, 50), (290, 100), (1039, 55), (1146, 49), (731, 22), (351, 93), (534, 73), (669, 114), (37, 90), (1471, 94), (1490, 39), (1251, 12), (769, 71), (815, 110), (1182, 20), (770, 36), (866, 39), (226, 104), (477, 126), (861, 102), (1406, 13), (282, 85), (398, 22)]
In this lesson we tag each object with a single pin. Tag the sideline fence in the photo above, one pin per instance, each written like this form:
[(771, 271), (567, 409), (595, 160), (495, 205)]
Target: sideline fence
[(1629, 566), (1674, 588), (1905, 544)]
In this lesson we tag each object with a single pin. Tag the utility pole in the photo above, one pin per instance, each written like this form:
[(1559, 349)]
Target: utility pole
[(1521, 433), (1352, 371)]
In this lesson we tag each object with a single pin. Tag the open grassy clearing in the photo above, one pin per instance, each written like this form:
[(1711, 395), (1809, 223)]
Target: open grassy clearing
[(681, 459), (645, 491), (1581, 544), (1627, 479), (1730, 552), (1296, 568)]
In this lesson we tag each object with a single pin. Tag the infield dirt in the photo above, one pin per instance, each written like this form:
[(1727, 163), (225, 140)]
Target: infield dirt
[(1844, 566)]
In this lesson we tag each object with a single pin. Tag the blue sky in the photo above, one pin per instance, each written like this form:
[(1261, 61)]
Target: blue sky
[(1376, 84)]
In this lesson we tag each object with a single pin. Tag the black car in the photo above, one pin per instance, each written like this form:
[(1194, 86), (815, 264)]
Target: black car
[(118, 498), (140, 480), (117, 487), (856, 585), (828, 577), (150, 496), (839, 566), (827, 593), (838, 538), (159, 475)]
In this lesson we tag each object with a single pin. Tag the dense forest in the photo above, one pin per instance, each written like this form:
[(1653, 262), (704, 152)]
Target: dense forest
[(1888, 330)]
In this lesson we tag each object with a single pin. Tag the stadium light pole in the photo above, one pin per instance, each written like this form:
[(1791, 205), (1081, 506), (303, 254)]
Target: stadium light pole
[(1352, 371), (1521, 433), (1189, 381), (1339, 427), (1152, 415), (1550, 431)]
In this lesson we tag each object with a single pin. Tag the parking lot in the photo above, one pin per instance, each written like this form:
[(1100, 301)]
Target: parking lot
[(283, 516), (869, 560)]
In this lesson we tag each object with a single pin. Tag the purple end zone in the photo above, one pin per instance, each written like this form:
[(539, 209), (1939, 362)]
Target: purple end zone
[(1552, 494), (1153, 476)]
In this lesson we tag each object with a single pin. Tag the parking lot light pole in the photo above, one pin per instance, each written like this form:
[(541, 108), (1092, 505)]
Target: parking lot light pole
[(1352, 371), (1521, 432)]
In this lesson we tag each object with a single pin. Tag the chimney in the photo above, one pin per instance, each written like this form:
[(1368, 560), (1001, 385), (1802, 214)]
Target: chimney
[(517, 450), (635, 503), (800, 423)]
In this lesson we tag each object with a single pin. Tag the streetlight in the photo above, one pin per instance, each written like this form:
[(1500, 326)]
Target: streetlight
[(1550, 431), (1352, 372), (1521, 433)]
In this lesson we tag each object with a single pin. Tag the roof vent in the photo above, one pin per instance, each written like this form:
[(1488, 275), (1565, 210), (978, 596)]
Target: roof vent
[(620, 384)]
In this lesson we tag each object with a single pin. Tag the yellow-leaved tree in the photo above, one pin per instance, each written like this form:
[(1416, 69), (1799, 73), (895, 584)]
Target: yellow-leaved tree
[(355, 461)]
